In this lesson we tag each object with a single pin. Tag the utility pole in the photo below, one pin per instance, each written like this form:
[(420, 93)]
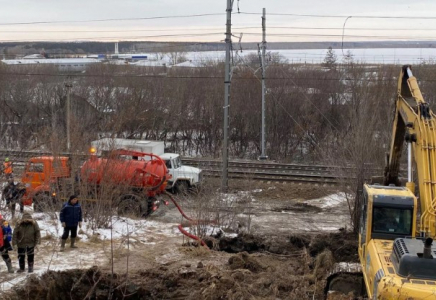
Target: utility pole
[(225, 182), (68, 113), (262, 63)]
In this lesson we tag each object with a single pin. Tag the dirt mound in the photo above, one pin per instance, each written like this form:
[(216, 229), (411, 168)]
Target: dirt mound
[(251, 243), (259, 267), (246, 280), (299, 241), (343, 246), (245, 261)]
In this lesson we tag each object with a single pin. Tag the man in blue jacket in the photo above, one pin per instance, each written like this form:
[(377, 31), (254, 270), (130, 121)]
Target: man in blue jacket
[(71, 217)]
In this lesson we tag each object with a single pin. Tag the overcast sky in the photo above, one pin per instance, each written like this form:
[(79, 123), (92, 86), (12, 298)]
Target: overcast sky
[(212, 27)]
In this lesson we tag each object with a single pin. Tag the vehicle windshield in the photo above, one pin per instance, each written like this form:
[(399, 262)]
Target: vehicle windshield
[(392, 220), (177, 162), (168, 163)]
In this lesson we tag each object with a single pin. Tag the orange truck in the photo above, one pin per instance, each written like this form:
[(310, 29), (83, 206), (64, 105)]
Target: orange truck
[(131, 185)]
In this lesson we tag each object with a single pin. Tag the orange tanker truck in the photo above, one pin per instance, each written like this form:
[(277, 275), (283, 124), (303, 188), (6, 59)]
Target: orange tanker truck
[(130, 185)]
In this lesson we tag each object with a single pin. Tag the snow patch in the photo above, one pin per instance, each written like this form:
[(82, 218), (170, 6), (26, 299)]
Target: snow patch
[(329, 201)]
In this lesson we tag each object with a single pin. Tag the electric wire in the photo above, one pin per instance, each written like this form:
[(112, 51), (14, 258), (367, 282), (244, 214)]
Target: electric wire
[(284, 35), (340, 16), (340, 35), (130, 30), (114, 19), (218, 28), (120, 38), (213, 14)]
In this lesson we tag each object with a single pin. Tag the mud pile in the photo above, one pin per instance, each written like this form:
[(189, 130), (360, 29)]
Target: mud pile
[(343, 245), (253, 267)]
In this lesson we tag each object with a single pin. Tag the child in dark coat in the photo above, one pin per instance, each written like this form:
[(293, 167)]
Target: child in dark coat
[(5, 244)]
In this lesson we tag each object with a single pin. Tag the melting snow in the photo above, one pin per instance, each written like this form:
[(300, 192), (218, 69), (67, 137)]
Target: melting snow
[(89, 253), (328, 201)]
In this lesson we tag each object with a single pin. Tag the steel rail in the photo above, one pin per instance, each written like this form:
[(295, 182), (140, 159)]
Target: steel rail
[(265, 171)]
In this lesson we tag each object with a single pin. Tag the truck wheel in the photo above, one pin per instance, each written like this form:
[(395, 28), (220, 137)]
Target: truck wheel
[(42, 202), (182, 187), (129, 206)]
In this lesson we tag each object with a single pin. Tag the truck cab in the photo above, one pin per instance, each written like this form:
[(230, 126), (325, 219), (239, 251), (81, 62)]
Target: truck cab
[(183, 177), (40, 172)]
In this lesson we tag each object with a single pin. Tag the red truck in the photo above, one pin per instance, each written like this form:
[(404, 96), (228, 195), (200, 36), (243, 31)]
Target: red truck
[(123, 181)]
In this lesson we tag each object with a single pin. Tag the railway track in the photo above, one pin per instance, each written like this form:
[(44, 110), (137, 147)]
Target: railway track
[(250, 170), (268, 171)]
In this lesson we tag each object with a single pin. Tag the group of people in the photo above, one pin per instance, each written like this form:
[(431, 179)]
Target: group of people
[(27, 235)]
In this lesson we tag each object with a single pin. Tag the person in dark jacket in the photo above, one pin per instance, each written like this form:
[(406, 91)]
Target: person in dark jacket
[(26, 236), (13, 194), (71, 217), (6, 237)]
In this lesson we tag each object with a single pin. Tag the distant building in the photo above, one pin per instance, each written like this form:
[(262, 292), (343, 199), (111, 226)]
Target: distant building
[(34, 56), (129, 57), (64, 64)]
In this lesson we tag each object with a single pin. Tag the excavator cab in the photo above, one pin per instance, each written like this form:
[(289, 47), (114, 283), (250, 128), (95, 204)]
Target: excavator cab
[(389, 212), (392, 220)]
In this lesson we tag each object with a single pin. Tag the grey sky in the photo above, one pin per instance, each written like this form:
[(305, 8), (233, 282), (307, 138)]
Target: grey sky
[(211, 28)]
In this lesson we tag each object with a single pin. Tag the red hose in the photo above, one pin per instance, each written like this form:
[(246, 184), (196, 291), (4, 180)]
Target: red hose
[(193, 221), (192, 236), (180, 209)]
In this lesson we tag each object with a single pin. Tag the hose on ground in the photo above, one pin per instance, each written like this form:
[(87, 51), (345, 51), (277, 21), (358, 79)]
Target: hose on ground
[(193, 221), (192, 236)]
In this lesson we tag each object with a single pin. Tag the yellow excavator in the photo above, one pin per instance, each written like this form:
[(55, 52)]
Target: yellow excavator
[(396, 249)]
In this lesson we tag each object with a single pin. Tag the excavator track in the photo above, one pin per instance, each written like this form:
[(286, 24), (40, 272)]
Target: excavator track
[(345, 279)]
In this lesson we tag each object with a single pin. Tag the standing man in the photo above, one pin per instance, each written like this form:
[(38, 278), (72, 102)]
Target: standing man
[(71, 217), (6, 231), (7, 168), (13, 194), (26, 236)]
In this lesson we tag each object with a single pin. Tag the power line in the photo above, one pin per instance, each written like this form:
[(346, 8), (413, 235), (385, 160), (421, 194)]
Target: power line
[(238, 28), (340, 35), (130, 30), (351, 28), (119, 37), (213, 28), (339, 16), (110, 20), (212, 14)]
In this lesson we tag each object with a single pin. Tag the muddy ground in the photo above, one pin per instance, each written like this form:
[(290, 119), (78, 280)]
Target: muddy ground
[(284, 249)]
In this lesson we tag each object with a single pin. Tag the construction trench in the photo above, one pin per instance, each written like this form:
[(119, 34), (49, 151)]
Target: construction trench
[(255, 267), (269, 263)]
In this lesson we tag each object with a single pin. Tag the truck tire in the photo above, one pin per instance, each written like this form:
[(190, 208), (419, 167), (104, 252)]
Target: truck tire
[(130, 206), (182, 187), (42, 202)]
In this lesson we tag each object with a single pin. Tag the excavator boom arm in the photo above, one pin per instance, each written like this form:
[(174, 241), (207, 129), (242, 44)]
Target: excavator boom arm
[(415, 123)]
